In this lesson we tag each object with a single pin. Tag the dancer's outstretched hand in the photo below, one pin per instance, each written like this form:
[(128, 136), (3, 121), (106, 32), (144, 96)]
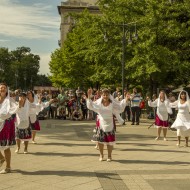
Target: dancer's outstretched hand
[(89, 92)]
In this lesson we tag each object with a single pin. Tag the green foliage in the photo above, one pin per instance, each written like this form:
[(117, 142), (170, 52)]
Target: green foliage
[(18, 65), (159, 57)]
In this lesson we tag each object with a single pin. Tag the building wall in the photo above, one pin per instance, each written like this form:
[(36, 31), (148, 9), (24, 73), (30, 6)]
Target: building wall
[(73, 6)]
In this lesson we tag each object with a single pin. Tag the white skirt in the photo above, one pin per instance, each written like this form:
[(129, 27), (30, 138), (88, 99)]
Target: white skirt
[(182, 122), (183, 133)]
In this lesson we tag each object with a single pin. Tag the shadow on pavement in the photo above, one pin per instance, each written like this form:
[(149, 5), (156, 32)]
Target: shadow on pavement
[(60, 154), (152, 162), (65, 144), (152, 150), (59, 173)]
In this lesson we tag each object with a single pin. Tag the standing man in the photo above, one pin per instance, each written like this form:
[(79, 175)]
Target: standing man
[(115, 93), (135, 106), (79, 93), (172, 99), (61, 101)]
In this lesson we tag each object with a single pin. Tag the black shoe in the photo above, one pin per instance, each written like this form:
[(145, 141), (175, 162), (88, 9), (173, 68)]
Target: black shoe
[(132, 123), (137, 123)]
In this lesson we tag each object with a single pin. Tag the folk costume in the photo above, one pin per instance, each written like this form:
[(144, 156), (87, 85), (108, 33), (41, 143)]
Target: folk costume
[(182, 122), (23, 129), (163, 109), (34, 108), (106, 131), (7, 122)]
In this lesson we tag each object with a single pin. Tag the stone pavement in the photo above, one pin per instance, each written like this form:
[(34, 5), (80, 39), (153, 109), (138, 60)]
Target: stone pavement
[(64, 158)]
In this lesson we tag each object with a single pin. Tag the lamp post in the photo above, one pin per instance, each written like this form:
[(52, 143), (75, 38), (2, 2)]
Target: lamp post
[(1, 70), (31, 82), (16, 77), (25, 81), (126, 27)]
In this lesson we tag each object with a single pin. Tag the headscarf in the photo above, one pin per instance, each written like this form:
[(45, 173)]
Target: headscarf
[(116, 112), (23, 116), (7, 108), (166, 102), (114, 101)]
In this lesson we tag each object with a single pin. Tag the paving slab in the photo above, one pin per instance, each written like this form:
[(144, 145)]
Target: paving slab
[(65, 158)]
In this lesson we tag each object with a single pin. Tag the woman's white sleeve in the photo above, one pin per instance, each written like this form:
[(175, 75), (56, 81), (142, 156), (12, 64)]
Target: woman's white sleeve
[(173, 104), (119, 106), (92, 106), (153, 104)]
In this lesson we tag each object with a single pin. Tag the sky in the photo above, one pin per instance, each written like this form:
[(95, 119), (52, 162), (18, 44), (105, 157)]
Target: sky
[(31, 23)]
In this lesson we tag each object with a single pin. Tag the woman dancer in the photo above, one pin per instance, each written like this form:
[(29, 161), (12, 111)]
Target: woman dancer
[(163, 109), (23, 130), (105, 106), (35, 106), (182, 122), (8, 108)]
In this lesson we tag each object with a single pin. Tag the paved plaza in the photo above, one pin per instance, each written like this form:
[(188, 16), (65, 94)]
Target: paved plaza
[(64, 158)]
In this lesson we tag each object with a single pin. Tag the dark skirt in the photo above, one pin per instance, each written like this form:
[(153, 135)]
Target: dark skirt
[(35, 126), (104, 137), (24, 134), (7, 134)]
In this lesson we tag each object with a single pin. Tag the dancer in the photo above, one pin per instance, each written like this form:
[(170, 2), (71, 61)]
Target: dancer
[(163, 109), (182, 122), (106, 107), (23, 129), (35, 106), (8, 108)]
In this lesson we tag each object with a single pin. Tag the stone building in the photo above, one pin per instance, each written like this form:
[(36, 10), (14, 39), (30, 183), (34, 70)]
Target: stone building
[(73, 6)]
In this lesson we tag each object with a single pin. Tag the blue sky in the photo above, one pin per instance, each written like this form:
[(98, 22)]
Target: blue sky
[(31, 23)]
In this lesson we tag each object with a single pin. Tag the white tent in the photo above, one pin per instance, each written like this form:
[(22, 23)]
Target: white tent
[(178, 89)]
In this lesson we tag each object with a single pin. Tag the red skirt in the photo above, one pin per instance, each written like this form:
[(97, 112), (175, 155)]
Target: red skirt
[(35, 126), (160, 123), (104, 137), (7, 134)]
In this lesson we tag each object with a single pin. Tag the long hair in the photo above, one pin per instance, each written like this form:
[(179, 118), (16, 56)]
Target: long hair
[(31, 93), (3, 83), (162, 91), (183, 93)]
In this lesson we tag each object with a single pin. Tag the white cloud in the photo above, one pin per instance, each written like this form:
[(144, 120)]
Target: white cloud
[(4, 40), (44, 63), (29, 22)]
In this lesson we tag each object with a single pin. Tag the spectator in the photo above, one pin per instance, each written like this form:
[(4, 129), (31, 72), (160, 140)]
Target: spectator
[(115, 93), (84, 107), (78, 95), (172, 99), (77, 114), (135, 109), (53, 106)]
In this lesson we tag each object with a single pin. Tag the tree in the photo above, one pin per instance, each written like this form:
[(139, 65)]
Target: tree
[(159, 58), (19, 67)]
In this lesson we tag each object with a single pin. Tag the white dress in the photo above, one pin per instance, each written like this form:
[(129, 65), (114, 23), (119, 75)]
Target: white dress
[(182, 122)]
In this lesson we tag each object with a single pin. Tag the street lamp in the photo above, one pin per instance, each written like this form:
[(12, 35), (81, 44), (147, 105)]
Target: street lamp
[(25, 81), (16, 77), (130, 40), (126, 28), (1, 69), (31, 82)]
